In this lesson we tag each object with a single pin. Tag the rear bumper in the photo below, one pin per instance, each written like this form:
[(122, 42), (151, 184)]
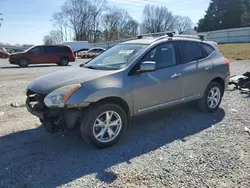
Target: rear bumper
[(72, 59), (226, 80)]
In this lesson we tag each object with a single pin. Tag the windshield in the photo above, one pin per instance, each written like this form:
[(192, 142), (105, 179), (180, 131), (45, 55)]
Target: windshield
[(116, 57), (3, 49)]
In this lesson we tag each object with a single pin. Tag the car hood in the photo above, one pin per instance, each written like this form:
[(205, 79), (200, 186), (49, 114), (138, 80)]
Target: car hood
[(17, 53), (74, 75)]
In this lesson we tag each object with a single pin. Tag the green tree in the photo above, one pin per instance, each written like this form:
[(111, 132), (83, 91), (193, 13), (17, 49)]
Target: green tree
[(245, 18), (223, 14)]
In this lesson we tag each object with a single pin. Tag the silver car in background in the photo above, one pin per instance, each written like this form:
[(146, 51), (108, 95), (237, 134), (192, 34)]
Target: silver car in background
[(130, 79)]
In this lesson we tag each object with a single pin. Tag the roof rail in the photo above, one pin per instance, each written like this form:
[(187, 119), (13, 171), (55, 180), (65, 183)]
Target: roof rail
[(199, 37), (168, 33)]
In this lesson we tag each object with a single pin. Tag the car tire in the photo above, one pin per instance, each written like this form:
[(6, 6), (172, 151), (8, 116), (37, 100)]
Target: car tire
[(102, 130), (4, 56), (64, 61), (24, 63), (212, 98)]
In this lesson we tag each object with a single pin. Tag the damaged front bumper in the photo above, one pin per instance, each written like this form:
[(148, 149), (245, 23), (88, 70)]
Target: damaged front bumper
[(52, 118), (33, 111)]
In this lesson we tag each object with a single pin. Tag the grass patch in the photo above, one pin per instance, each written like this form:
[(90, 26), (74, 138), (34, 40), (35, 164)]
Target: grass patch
[(236, 51)]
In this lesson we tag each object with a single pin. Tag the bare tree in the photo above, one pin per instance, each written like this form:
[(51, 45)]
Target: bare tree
[(119, 24), (129, 26), (47, 40), (157, 19), (60, 21), (84, 17), (98, 7), (181, 24), (112, 23), (54, 37)]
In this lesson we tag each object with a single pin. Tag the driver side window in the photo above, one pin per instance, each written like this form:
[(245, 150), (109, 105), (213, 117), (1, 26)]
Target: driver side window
[(163, 55), (36, 50)]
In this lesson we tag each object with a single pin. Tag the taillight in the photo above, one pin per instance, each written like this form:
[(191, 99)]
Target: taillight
[(227, 62), (73, 55)]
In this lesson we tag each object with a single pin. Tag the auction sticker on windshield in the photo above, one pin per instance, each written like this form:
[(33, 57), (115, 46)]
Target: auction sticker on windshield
[(127, 52)]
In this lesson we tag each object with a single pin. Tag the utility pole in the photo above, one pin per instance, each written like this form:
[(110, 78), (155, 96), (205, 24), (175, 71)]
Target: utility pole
[(1, 19)]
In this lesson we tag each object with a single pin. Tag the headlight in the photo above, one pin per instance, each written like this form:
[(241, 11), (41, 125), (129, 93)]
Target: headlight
[(60, 96)]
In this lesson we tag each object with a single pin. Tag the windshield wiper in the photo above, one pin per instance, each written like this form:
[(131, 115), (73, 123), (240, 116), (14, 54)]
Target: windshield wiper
[(89, 67)]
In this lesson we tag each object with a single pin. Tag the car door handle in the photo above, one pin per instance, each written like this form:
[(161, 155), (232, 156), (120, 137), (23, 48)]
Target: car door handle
[(208, 68), (176, 75)]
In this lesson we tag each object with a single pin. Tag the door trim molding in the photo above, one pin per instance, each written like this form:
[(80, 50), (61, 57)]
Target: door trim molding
[(169, 103)]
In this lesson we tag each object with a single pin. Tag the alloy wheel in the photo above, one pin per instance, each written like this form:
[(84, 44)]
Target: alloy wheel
[(214, 97), (107, 126)]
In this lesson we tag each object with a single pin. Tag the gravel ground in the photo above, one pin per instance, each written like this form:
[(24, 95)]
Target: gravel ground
[(181, 147)]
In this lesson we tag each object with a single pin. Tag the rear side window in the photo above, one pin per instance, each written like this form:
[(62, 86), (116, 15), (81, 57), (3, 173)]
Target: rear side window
[(50, 49), (65, 50), (56, 49), (189, 51), (208, 49)]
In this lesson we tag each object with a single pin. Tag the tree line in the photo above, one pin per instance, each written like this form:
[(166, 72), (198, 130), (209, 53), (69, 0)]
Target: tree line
[(94, 21), (225, 14)]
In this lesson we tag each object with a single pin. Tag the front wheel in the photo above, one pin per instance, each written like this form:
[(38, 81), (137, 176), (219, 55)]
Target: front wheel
[(212, 98), (103, 125), (23, 63), (4, 56)]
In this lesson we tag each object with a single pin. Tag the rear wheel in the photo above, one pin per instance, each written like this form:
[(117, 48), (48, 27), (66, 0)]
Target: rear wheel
[(103, 125), (212, 97), (63, 61), (23, 63)]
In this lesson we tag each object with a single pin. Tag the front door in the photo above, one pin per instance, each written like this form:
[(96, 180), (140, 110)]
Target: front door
[(152, 90), (35, 55)]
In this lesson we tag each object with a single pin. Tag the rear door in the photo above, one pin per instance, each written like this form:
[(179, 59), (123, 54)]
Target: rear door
[(190, 54), (56, 54), (48, 54), (206, 65)]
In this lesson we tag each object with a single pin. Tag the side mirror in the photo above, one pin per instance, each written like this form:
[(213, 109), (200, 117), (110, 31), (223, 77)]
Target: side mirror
[(148, 66)]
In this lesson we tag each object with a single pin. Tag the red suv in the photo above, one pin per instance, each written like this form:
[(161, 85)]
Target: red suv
[(3, 53), (58, 54)]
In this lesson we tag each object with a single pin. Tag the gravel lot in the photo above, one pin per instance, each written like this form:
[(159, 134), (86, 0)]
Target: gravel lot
[(181, 147)]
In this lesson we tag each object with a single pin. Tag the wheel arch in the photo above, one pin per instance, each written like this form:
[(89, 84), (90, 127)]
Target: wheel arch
[(119, 101), (220, 81), (64, 57)]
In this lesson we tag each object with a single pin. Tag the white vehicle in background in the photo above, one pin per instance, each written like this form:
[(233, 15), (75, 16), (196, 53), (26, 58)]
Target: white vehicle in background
[(77, 46)]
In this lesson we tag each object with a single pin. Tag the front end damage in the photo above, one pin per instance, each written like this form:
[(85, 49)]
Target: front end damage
[(53, 119)]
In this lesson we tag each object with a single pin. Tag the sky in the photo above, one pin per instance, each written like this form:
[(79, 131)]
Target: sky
[(27, 21)]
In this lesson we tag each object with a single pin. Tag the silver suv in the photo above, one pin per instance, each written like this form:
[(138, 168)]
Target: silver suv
[(130, 79)]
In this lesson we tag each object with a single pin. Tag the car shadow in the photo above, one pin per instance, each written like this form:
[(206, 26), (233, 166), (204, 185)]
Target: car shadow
[(34, 158), (30, 66)]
